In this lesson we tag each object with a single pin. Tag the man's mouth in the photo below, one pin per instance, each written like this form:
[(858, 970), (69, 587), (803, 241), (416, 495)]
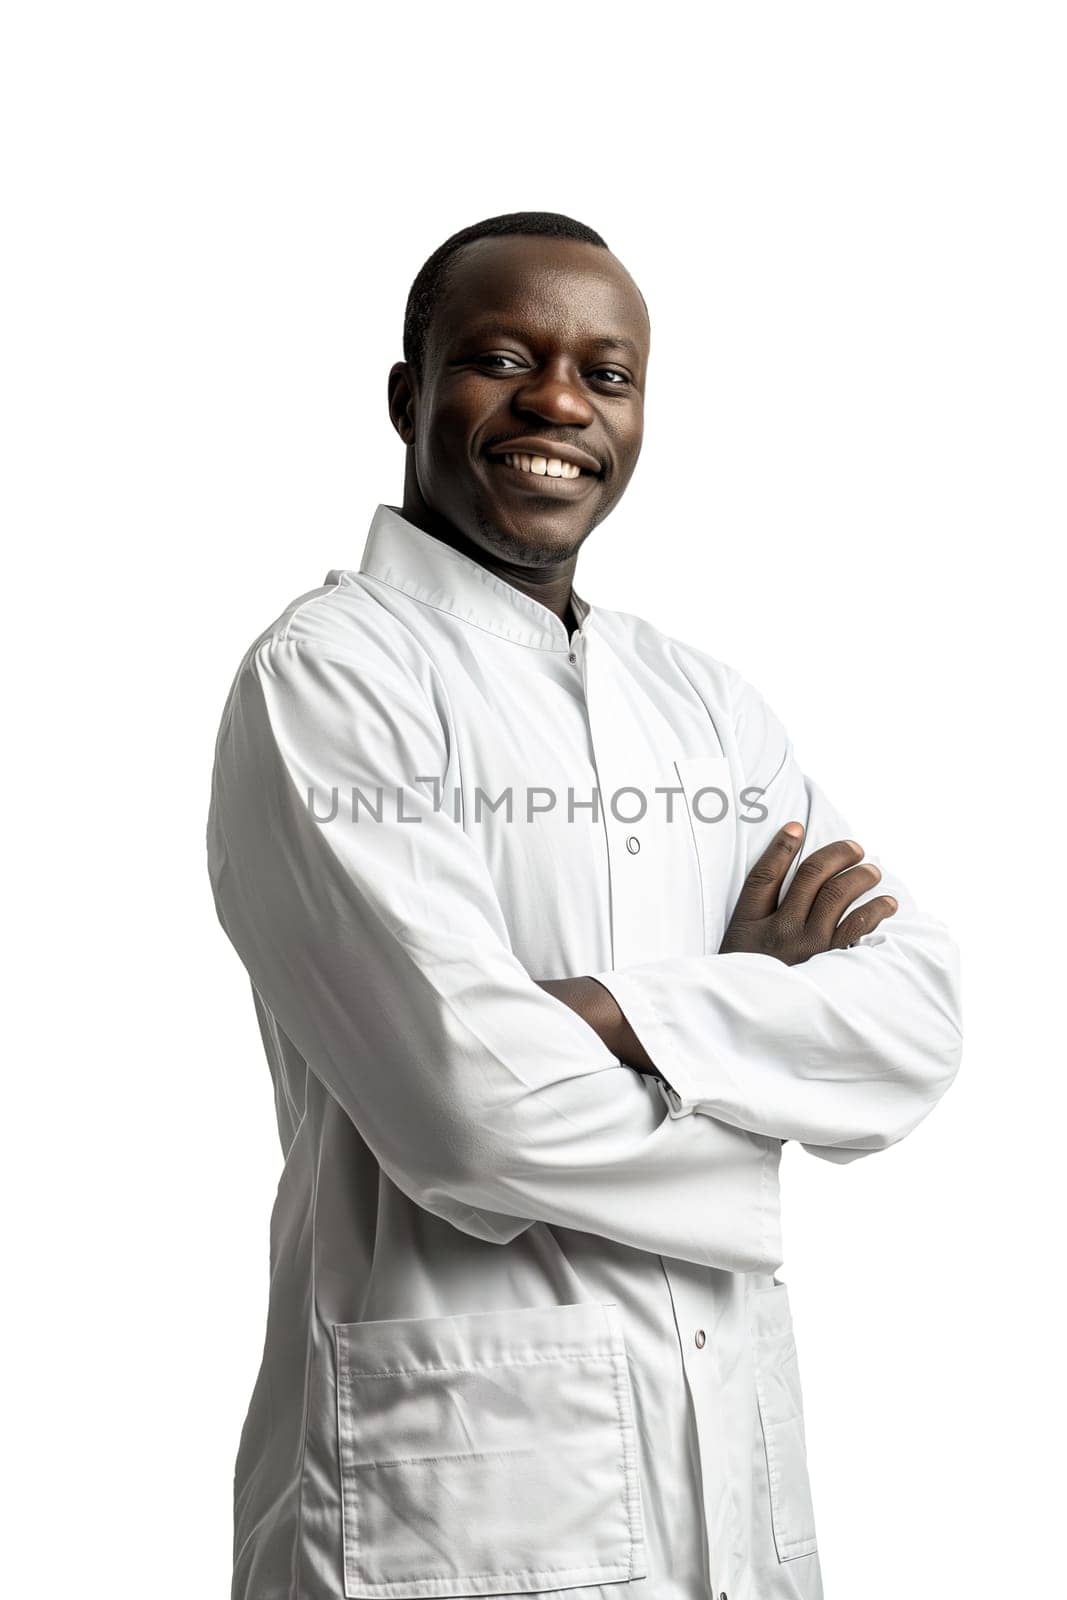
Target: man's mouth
[(545, 466), (536, 456)]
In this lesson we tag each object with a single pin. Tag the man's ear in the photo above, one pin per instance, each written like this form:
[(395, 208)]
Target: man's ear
[(402, 401)]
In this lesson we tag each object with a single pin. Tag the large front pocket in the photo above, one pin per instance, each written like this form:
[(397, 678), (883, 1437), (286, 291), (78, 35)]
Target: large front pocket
[(781, 1412), (491, 1452)]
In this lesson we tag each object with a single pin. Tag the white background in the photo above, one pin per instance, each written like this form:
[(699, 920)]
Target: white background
[(848, 223)]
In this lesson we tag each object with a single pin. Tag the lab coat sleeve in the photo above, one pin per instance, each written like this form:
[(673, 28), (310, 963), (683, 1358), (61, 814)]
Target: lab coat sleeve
[(845, 1052), (381, 948)]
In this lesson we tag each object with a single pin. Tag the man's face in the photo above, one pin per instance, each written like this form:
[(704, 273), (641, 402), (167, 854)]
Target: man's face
[(538, 349)]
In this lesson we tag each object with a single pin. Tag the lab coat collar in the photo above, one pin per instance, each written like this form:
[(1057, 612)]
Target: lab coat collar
[(407, 558)]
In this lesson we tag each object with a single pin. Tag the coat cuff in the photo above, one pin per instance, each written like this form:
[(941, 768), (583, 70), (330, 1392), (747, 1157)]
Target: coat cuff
[(681, 1093)]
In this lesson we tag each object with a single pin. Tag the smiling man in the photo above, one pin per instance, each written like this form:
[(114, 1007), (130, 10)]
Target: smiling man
[(553, 945)]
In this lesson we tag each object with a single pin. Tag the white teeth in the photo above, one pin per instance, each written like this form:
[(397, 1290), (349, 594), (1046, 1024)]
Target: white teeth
[(544, 466)]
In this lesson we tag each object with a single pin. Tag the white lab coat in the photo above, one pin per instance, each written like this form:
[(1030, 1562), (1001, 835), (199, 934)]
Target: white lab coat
[(525, 1333)]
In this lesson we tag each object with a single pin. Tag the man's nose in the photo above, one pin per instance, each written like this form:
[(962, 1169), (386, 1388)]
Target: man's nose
[(555, 394)]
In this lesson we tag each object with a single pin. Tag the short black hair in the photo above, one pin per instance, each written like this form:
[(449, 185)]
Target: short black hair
[(429, 285)]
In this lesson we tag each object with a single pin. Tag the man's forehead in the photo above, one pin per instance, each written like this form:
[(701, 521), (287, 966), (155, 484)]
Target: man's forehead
[(549, 285)]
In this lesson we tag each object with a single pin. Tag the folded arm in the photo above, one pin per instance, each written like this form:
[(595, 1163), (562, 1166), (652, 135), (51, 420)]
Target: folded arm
[(843, 1042)]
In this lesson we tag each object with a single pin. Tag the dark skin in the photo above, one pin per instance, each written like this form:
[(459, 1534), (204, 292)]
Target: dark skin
[(548, 340), (533, 337)]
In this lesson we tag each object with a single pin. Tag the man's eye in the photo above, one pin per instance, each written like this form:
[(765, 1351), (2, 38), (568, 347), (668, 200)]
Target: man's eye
[(487, 359), (620, 378)]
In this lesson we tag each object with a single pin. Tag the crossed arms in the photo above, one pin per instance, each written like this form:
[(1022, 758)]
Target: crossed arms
[(483, 1096)]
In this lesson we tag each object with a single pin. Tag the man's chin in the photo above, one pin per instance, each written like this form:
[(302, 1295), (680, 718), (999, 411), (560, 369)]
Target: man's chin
[(540, 541)]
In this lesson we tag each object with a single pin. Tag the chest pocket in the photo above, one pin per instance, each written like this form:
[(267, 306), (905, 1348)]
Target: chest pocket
[(712, 808), (487, 1453), (781, 1412)]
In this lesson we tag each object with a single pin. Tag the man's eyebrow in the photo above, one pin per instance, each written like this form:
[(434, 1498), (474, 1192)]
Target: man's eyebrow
[(503, 330), (620, 342)]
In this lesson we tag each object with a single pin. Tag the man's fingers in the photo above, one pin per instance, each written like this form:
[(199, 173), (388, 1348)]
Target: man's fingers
[(813, 873), (759, 897), (863, 920), (835, 897)]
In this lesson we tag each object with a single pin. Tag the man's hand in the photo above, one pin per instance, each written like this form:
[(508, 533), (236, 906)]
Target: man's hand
[(808, 921)]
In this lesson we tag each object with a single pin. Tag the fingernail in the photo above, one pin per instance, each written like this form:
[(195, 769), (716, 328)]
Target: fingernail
[(795, 830), (855, 845)]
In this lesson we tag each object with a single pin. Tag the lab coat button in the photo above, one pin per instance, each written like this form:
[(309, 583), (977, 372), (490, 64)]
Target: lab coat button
[(700, 1338), (722, 1594), (633, 845), (572, 658)]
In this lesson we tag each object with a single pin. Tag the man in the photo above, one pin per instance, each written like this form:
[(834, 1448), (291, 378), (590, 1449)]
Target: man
[(552, 946)]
